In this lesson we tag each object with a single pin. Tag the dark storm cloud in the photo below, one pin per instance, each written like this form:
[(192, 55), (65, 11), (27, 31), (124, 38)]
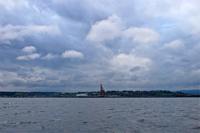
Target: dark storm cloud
[(69, 45)]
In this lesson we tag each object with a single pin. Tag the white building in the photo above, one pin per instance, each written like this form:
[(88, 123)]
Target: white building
[(82, 95)]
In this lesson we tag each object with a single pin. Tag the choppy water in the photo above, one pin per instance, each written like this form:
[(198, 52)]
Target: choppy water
[(117, 115)]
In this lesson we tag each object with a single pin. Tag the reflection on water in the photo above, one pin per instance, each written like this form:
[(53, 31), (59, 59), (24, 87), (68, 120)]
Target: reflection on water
[(103, 115)]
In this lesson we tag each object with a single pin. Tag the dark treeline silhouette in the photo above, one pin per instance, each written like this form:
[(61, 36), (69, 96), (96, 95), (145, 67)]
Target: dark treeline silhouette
[(95, 94)]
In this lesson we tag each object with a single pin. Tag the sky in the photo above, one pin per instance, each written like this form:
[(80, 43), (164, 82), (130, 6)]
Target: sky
[(74, 45)]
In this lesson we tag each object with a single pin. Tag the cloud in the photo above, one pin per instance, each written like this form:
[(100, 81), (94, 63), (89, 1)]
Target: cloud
[(17, 32), (112, 28), (27, 77), (129, 62), (105, 30), (29, 49), (72, 54), (49, 56), (12, 4), (29, 57), (141, 35), (126, 52), (183, 15), (30, 54), (176, 44)]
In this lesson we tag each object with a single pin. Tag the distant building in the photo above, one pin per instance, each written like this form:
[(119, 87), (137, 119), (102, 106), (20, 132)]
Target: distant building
[(82, 95), (102, 91)]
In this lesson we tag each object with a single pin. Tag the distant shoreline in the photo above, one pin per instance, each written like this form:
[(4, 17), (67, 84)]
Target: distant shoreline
[(95, 94), (197, 96)]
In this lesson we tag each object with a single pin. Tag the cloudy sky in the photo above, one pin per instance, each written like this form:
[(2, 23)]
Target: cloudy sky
[(73, 45)]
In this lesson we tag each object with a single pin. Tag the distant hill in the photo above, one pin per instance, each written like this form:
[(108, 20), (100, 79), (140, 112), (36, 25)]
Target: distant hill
[(192, 92)]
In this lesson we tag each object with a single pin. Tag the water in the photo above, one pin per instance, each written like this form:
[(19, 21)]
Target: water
[(101, 115)]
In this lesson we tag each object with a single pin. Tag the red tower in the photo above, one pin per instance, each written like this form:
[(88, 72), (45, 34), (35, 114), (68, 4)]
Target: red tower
[(102, 91)]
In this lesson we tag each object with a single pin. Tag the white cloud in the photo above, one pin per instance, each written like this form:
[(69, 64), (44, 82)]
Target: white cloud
[(13, 4), (176, 44), (127, 62), (72, 54), (17, 32), (187, 15), (7, 78), (112, 28), (49, 56), (105, 30), (31, 75), (184, 14), (141, 35), (29, 57), (29, 49), (30, 53)]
